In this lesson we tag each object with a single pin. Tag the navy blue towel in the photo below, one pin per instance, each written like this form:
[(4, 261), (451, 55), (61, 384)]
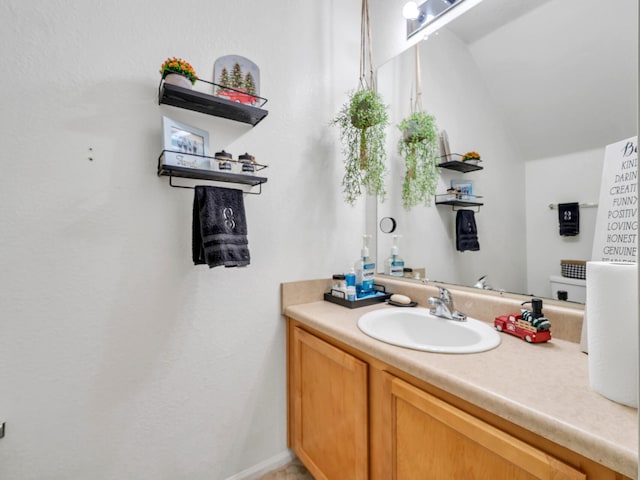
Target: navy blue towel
[(569, 219), (466, 231), (219, 228)]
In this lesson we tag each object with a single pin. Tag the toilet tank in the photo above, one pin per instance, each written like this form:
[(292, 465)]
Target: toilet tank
[(576, 288)]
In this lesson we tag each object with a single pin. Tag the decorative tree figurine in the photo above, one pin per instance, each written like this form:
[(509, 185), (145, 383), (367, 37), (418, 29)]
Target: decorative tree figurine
[(236, 77), (249, 84), (224, 80)]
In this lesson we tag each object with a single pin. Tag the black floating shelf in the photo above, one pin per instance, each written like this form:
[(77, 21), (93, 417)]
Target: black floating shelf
[(460, 203), (197, 101), (184, 172), (459, 166), (165, 170), (458, 200)]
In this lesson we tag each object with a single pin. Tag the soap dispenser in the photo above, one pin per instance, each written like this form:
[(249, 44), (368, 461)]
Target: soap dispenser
[(536, 317), (394, 265), (365, 269)]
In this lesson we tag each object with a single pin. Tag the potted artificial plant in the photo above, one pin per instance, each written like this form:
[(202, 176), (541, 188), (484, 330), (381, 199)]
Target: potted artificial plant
[(419, 147), (362, 121), (472, 158), (177, 71)]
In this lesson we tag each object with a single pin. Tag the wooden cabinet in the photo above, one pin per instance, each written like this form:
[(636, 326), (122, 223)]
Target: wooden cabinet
[(352, 416), (433, 439), (328, 408)]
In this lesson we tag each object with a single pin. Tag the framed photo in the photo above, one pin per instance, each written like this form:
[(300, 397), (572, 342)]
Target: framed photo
[(184, 145), (465, 187), (445, 151)]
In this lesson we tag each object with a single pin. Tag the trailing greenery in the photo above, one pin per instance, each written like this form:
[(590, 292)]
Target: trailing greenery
[(362, 122), (419, 147)]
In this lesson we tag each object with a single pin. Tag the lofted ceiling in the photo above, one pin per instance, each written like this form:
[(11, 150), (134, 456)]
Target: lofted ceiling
[(563, 73)]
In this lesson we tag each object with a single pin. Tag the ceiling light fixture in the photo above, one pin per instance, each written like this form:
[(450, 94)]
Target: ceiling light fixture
[(434, 14), (410, 11)]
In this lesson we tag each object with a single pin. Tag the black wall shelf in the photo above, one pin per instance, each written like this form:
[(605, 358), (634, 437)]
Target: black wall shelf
[(460, 166), (461, 202), (211, 175), (197, 101)]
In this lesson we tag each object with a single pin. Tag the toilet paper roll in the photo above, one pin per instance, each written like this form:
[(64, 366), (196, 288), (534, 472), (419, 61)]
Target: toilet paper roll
[(612, 319)]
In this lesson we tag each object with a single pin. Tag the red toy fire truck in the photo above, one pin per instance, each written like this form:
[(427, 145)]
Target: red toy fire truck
[(530, 326), (238, 96)]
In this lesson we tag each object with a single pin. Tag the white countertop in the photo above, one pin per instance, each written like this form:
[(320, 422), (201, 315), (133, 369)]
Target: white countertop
[(541, 387)]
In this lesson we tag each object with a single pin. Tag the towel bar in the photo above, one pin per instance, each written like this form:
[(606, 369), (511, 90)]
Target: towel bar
[(553, 206), (171, 184)]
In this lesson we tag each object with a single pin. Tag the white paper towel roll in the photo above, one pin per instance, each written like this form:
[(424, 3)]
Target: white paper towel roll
[(612, 319)]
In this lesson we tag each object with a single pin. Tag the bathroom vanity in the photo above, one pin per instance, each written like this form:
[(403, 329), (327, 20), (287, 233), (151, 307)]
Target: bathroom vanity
[(363, 409)]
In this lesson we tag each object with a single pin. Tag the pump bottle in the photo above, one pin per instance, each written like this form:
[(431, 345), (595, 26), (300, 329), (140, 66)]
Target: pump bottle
[(394, 265)]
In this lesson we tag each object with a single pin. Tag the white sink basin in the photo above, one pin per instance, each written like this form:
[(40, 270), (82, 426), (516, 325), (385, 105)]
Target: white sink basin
[(416, 328)]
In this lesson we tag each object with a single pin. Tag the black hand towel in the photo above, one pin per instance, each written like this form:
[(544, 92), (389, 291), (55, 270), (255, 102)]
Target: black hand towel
[(466, 231), (569, 218), (219, 228)]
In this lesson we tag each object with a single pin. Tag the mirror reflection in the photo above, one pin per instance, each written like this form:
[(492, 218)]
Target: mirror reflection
[(538, 89)]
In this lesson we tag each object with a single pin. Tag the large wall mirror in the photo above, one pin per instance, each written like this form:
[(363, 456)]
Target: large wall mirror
[(538, 88)]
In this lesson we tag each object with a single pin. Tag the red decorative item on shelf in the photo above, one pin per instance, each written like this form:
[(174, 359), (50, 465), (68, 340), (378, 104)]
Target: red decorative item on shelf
[(237, 79), (515, 325)]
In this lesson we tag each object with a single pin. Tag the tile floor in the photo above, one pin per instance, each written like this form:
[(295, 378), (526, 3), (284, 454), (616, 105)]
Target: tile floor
[(292, 471)]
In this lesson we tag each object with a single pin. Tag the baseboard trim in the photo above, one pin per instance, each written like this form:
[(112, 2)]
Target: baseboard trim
[(266, 466)]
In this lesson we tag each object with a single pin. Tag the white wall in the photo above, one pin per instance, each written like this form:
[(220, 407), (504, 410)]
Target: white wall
[(118, 357), (453, 91), (554, 70), (574, 177)]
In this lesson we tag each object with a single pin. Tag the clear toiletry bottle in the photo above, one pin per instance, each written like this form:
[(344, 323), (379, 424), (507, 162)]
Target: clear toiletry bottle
[(394, 265), (350, 279), (365, 270), (339, 287)]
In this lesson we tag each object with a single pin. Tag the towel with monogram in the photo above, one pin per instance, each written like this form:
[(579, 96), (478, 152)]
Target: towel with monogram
[(569, 219), (219, 228), (466, 231)]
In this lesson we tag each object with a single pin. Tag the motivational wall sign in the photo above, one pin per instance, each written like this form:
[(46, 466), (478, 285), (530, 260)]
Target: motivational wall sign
[(616, 236)]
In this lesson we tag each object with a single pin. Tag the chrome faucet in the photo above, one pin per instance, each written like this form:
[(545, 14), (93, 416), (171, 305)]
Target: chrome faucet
[(443, 306)]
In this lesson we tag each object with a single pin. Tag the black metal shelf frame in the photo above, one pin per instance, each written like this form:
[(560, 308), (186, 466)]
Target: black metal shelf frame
[(210, 175), (453, 161)]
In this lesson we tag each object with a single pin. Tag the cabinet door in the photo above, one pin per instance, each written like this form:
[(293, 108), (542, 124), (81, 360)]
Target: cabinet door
[(329, 412), (432, 439)]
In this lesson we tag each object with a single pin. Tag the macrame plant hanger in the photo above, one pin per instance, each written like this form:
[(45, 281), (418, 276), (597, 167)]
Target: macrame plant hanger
[(417, 105), (366, 48)]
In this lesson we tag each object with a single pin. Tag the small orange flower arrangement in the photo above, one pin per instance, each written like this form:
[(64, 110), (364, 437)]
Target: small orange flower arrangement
[(178, 65), (471, 156)]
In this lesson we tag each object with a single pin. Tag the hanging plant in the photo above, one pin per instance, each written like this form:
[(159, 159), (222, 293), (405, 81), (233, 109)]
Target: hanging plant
[(419, 147), (362, 121)]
